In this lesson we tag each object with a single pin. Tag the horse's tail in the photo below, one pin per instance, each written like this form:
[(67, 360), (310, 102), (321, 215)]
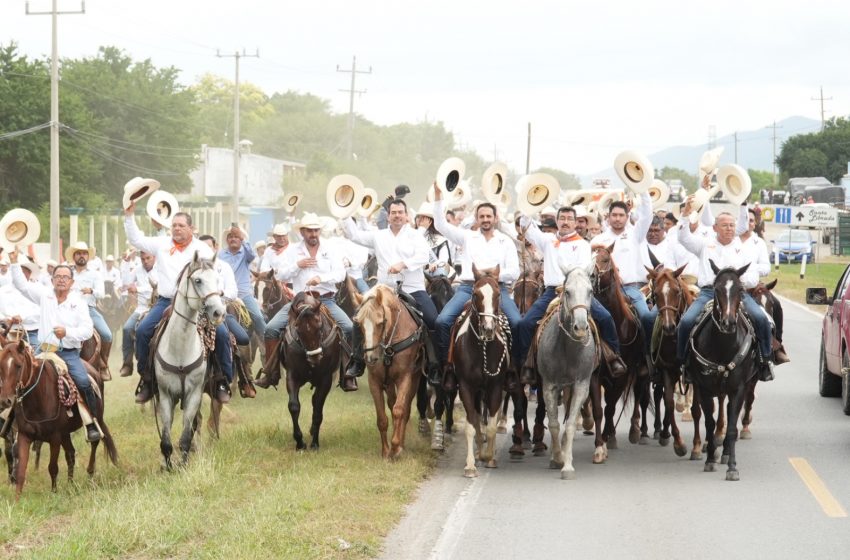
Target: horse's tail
[(109, 444)]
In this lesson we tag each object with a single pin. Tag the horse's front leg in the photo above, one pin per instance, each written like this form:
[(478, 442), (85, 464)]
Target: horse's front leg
[(191, 409), (749, 398), (735, 402), (577, 397), (658, 392), (696, 416), (319, 396), (472, 430), (166, 417), (550, 390), (293, 388), (489, 452), (376, 388), (679, 446), (707, 405), (600, 452), (720, 430), (401, 411)]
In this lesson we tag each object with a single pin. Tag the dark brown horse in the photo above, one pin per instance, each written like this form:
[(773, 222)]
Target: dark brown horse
[(441, 291), (311, 352), (272, 295), (30, 386), (481, 355), (348, 297), (395, 358), (607, 288), (672, 299)]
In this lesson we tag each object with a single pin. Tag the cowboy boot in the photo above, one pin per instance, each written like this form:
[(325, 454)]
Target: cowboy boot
[(144, 391), (271, 367), (779, 355), (105, 348), (127, 366), (449, 379), (765, 370), (528, 374), (433, 366), (356, 364), (92, 433), (616, 367)]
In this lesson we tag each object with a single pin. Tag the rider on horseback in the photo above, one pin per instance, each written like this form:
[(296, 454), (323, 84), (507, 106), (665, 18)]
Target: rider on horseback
[(65, 324), (144, 279), (562, 250), (89, 284), (239, 255), (401, 253)]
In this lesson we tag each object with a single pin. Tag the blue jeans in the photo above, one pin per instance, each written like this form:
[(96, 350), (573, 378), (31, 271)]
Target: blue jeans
[(427, 307), (237, 330), (528, 324), (258, 323), (454, 307), (32, 337), (278, 323), (100, 325), (756, 313), (646, 318), (361, 284), (127, 340), (76, 369)]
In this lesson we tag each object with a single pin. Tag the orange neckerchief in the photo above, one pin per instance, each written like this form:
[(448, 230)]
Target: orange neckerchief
[(177, 247), (574, 237)]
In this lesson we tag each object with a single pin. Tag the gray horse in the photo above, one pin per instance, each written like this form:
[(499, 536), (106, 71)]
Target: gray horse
[(566, 358)]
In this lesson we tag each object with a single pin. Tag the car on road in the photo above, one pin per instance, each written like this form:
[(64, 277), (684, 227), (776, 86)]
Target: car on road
[(793, 244), (834, 362), (677, 190)]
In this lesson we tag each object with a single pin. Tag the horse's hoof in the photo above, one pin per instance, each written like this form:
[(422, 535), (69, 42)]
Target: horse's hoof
[(540, 449), (634, 435), (724, 460), (710, 467), (502, 426), (587, 424), (553, 464), (470, 473), (746, 434), (696, 455), (568, 475), (424, 426), (599, 456), (491, 464), (656, 434), (680, 450), (516, 451), (644, 440), (612, 442), (299, 446), (588, 432), (664, 442), (732, 476)]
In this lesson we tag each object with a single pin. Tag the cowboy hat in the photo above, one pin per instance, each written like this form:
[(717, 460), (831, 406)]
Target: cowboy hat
[(291, 201), (426, 209), (368, 203), (709, 161), (450, 174), (535, 192), (32, 266), (77, 247), (343, 195), (281, 229), (310, 221), (136, 188), (260, 243), (460, 196), (735, 183), (635, 170), (700, 199), (18, 227), (659, 193), (161, 208), (493, 182), (582, 212), (109, 258)]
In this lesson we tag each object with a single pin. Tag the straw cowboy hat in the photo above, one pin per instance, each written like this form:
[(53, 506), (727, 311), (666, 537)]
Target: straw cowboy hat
[(292, 201), (281, 229), (450, 174), (535, 192), (136, 188), (581, 212), (426, 209), (369, 203), (494, 183), (735, 183), (32, 266), (635, 170), (699, 201), (18, 227), (161, 208), (344, 195), (310, 221), (77, 247)]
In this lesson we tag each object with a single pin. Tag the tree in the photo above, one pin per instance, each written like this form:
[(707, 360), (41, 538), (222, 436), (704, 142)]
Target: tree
[(688, 181), (568, 181), (824, 153)]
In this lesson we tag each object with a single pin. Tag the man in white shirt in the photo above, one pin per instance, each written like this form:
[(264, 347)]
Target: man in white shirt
[(65, 324), (724, 251), (566, 248), (172, 255), (309, 265), (144, 279), (112, 274), (15, 308), (88, 282), (402, 254), (486, 248)]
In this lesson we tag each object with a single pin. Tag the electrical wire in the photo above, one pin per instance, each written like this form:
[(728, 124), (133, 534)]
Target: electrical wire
[(16, 133)]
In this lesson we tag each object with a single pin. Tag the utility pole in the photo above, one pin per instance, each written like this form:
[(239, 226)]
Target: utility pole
[(528, 152), (234, 212), (822, 112), (354, 71), (774, 127), (54, 124)]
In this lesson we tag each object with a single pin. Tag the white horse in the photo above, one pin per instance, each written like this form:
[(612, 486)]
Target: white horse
[(180, 362), (566, 359)]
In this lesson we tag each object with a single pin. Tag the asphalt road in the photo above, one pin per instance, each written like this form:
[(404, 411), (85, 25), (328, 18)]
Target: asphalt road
[(645, 502)]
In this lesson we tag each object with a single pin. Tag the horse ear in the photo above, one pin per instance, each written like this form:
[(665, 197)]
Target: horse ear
[(772, 285), (713, 266), (650, 271), (195, 258), (428, 277), (22, 345), (743, 269), (610, 247), (476, 274), (652, 258), (679, 271)]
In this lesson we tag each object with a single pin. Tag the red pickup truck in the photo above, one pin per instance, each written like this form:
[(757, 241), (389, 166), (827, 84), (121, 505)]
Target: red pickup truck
[(834, 362)]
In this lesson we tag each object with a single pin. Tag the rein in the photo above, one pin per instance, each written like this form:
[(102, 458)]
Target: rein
[(19, 398), (390, 350), (504, 328), (563, 315)]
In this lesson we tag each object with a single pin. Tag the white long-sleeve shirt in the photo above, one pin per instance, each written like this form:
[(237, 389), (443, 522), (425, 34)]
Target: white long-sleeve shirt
[(757, 253), (627, 244), (407, 246), (572, 251), (355, 255), (73, 313), (226, 279), (671, 255), (170, 260), (13, 302), (92, 279), (328, 268), (144, 287), (730, 255), (473, 247)]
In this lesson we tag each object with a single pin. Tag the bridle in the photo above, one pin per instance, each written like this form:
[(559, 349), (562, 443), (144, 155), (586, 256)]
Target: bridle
[(198, 295), (565, 313), (502, 326), (599, 273), (715, 312), (385, 343)]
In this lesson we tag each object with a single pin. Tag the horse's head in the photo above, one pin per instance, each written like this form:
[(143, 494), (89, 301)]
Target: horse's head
[(377, 314), (305, 316), (576, 299), (202, 293), (603, 266), (16, 366), (671, 295), (763, 294), (486, 301), (728, 294)]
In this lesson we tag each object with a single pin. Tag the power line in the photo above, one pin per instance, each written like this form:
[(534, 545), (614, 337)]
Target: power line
[(16, 133), (116, 143), (123, 163)]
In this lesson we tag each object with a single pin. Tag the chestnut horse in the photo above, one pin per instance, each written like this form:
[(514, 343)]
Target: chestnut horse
[(311, 352), (395, 358), (30, 386), (481, 355)]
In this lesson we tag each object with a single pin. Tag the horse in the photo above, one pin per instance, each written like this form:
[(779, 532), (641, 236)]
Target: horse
[(311, 350), (440, 289), (482, 354), (348, 296), (180, 354), (567, 356), (273, 296), (607, 288), (29, 386), (395, 358), (723, 361), (527, 289), (672, 299)]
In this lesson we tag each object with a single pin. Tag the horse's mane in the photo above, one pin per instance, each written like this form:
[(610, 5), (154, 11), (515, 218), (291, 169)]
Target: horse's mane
[(300, 304), (378, 295)]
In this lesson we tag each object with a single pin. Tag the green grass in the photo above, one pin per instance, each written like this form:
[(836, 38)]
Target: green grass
[(247, 495), (822, 275)]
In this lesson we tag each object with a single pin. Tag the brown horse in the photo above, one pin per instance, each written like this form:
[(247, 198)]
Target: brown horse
[(272, 297), (395, 357), (672, 299), (607, 288), (30, 386), (347, 296), (482, 354), (527, 289), (311, 352)]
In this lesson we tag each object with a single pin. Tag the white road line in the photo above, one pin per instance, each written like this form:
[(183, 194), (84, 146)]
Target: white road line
[(458, 518)]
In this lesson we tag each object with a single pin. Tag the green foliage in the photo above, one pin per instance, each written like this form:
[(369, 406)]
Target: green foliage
[(819, 154), (568, 181), (761, 180), (688, 181)]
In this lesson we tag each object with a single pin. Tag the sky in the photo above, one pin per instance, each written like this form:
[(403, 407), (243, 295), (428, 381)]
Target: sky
[(592, 78)]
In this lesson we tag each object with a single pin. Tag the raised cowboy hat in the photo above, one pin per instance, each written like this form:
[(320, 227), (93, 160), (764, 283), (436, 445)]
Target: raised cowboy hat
[(136, 188), (369, 204), (635, 170), (32, 266), (310, 221), (19, 227), (494, 183), (535, 192), (699, 201), (161, 208), (77, 247), (450, 174), (291, 202), (344, 195)]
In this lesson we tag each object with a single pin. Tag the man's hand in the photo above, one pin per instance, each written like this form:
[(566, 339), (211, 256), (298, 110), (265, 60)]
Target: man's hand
[(59, 332), (307, 262), (687, 209), (131, 289), (397, 267), (130, 210), (706, 182), (314, 281), (13, 257), (438, 195), (16, 320), (86, 291)]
